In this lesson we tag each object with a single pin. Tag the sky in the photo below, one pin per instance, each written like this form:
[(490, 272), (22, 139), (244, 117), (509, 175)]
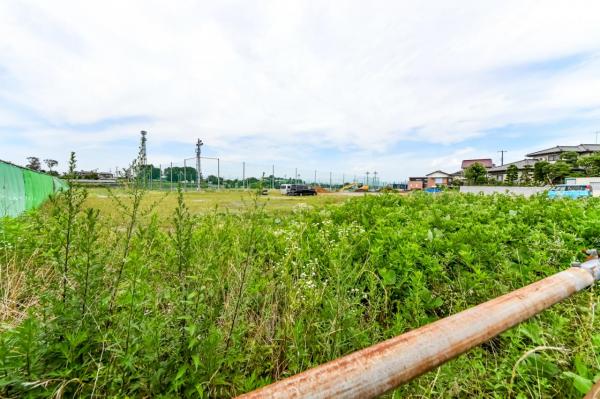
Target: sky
[(398, 87)]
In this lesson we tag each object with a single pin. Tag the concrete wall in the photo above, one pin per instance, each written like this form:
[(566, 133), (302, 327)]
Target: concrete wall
[(515, 190)]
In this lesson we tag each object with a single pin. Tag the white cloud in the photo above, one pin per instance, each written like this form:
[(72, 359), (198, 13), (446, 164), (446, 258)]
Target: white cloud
[(342, 74)]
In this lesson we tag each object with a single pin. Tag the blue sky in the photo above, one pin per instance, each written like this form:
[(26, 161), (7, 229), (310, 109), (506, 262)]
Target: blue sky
[(403, 88)]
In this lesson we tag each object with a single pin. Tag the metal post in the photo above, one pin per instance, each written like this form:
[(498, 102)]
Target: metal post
[(330, 185), (244, 175), (218, 174), (160, 177), (379, 368), (296, 176), (184, 174), (272, 177), (199, 145), (171, 171)]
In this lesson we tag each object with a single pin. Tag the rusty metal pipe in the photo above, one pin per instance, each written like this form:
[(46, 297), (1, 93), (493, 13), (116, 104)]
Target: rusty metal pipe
[(594, 393), (377, 369)]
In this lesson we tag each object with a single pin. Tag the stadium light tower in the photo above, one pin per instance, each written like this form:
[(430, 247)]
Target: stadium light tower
[(144, 160), (199, 145)]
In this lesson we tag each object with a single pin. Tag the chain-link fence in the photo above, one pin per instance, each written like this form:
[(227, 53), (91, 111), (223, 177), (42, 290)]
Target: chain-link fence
[(218, 174)]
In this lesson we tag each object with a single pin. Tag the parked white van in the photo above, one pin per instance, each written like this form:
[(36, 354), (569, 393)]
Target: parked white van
[(285, 189)]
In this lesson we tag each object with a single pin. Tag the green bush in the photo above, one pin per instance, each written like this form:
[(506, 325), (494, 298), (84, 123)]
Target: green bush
[(219, 304)]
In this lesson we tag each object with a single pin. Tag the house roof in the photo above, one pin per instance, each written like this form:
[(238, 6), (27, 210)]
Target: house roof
[(438, 172), (581, 148), (487, 162), (519, 164)]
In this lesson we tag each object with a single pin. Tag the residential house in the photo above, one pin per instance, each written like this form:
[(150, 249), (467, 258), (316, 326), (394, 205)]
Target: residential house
[(499, 172), (486, 162), (460, 175), (438, 178), (553, 154)]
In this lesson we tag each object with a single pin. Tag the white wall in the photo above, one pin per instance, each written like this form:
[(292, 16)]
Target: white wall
[(514, 190)]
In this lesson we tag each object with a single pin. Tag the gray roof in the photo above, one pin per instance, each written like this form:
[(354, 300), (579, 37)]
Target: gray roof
[(581, 148), (438, 171), (519, 164)]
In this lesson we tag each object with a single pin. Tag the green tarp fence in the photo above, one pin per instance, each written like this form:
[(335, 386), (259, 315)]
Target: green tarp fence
[(23, 189)]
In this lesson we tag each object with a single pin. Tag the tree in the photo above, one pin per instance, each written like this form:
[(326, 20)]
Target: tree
[(526, 174), (512, 174), (180, 174), (476, 174), (51, 163), (540, 172), (591, 164), (150, 171), (558, 171), (34, 163), (570, 157)]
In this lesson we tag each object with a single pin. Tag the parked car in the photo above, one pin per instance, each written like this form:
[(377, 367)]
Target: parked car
[(301, 189), (285, 188), (570, 191)]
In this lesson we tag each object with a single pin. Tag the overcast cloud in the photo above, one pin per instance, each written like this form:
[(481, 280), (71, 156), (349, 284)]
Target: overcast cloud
[(403, 87)]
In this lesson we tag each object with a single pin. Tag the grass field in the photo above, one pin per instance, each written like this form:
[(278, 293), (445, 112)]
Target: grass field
[(128, 296), (226, 200)]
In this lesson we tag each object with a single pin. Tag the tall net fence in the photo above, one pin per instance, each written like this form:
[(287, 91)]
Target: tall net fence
[(219, 174), (23, 189)]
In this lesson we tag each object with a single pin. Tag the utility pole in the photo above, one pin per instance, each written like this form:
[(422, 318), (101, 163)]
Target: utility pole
[(375, 180), (199, 145), (244, 174), (368, 179), (315, 179), (330, 181), (502, 156), (272, 177), (296, 176)]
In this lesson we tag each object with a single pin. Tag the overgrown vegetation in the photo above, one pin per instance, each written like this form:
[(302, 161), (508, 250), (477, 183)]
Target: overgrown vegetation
[(221, 303)]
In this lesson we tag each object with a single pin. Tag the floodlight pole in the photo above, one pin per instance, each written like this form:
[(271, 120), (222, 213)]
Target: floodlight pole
[(199, 145)]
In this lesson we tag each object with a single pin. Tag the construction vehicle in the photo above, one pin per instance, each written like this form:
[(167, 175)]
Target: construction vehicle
[(355, 188)]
